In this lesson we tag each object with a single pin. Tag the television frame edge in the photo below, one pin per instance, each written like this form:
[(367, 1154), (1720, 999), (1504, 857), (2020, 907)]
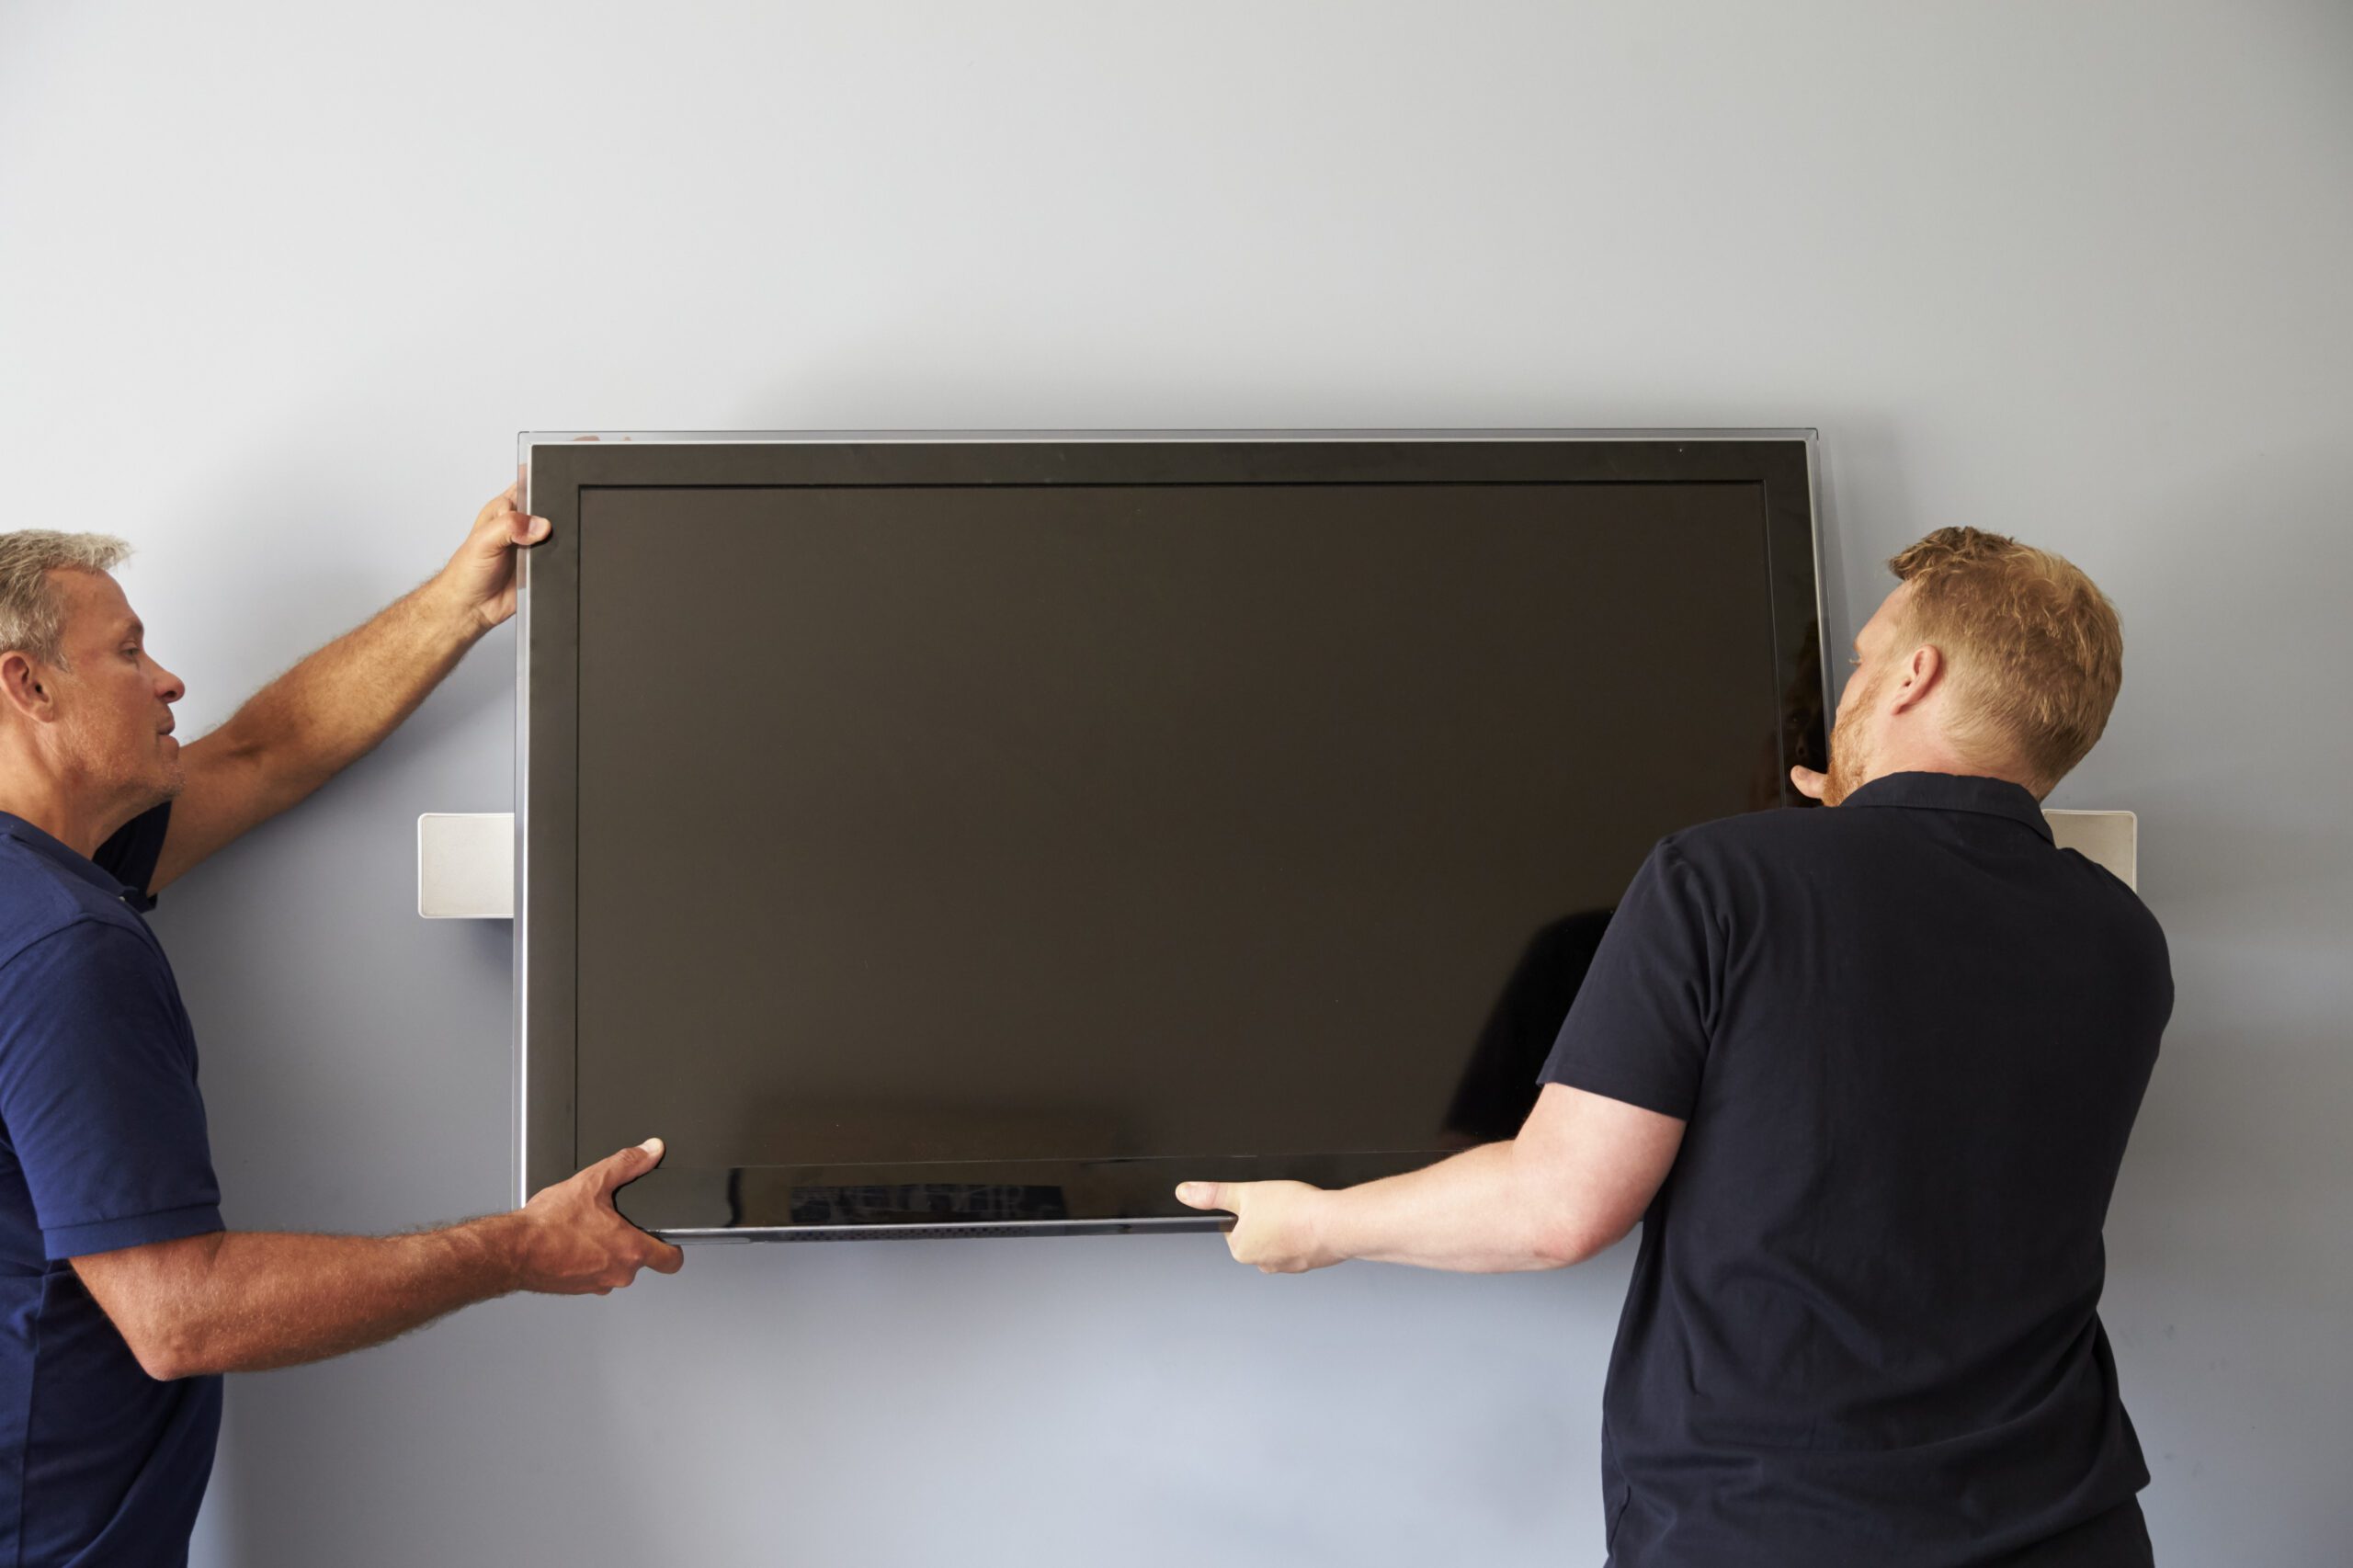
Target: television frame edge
[(544, 1146)]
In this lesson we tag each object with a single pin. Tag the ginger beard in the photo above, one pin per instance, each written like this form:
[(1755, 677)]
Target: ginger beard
[(1850, 758)]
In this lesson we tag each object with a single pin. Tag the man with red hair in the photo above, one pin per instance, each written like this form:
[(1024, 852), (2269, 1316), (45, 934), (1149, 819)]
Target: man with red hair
[(1866, 1078)]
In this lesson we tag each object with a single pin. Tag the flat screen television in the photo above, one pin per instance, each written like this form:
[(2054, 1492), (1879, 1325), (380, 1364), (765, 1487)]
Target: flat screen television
[(979, 833)]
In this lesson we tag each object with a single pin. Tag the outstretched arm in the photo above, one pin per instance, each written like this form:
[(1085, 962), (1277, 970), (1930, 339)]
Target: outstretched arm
[(333, 708), (245, 1302), (1576, 1178)]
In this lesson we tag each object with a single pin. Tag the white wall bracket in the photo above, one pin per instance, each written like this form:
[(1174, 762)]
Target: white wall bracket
[(465, 865)]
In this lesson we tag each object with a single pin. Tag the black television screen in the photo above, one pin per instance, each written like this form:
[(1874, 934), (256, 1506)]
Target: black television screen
[(982, 834)]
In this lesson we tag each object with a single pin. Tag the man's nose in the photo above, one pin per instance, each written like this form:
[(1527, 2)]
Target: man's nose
[(172, 689)]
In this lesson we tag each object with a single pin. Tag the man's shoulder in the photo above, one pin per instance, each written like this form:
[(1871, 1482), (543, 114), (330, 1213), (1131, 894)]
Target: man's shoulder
[(1795, 848), (47, 916), (78, 991), (1758, 860), (2120, 908)]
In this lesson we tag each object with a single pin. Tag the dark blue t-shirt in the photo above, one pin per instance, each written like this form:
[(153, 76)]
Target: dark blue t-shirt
[(1909, 1036), (102, 1146)]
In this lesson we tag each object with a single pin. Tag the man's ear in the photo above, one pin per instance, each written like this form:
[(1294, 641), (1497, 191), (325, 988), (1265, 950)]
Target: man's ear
[(1917, 677), (23, 687)]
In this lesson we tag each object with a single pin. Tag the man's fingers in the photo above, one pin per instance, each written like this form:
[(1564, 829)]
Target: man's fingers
[(1809, 783), (664, 1259), (504, 513), (1212, 1194), (625, 1167)]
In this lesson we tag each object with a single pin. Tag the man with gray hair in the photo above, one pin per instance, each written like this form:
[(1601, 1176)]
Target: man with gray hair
[(122, 1298)]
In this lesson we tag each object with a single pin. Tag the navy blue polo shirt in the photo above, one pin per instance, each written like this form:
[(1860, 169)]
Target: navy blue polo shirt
[(102, 1146), (1909, 1036)]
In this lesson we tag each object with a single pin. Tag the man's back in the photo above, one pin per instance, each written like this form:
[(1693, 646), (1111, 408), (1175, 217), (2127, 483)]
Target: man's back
[(1909, 1037)]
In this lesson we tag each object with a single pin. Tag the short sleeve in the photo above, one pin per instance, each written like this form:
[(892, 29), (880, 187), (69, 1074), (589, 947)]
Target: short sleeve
[(130, 857), (98, 1095), (1638, 1028)]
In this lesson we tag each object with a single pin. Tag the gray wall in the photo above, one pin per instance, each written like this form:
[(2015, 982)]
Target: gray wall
[(280, 282)]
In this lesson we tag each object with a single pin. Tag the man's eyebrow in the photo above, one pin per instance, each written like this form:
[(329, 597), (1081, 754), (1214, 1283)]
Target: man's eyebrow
[(135, 630)]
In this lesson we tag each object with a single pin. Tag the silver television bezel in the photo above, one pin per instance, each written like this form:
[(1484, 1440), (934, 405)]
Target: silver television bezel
[(536, 1164)]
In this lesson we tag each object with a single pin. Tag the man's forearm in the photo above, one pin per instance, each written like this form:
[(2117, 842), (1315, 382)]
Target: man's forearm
[(1476, 1212), (1581, 1172), (334, 708), (252, 1300)]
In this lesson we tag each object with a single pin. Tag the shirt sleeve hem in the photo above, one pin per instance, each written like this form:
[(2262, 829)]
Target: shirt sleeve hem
[(1645, 1096), (138, 1229)]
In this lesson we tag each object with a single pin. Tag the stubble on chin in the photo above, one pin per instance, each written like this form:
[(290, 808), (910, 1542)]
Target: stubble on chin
[(162, 786)]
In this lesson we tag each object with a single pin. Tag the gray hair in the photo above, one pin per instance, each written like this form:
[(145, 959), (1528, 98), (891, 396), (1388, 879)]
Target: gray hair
[(32, 613)]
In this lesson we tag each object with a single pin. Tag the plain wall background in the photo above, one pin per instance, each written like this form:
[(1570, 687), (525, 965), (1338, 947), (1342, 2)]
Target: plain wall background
[(278, 283)]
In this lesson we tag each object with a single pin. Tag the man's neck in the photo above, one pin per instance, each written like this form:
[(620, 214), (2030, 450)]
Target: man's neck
[(1939, 757), (57, 812)]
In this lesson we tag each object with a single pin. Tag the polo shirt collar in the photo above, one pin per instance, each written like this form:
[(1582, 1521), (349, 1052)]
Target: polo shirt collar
[(1954, 792), (73, 860)]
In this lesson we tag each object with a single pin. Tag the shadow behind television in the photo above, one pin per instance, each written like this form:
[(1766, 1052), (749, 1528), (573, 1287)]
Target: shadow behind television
[(977, 835)]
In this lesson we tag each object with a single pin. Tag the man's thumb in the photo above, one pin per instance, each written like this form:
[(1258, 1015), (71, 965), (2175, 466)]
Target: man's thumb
[(1203, 1195), (632, 1163)]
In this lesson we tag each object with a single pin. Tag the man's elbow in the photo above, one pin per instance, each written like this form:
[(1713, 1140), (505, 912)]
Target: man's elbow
[(159, 1356), (158, 1297), (1568, 1239), (170, 1351)]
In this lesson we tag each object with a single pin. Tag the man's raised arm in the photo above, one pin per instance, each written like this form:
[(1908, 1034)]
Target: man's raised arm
[(333, 708)]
